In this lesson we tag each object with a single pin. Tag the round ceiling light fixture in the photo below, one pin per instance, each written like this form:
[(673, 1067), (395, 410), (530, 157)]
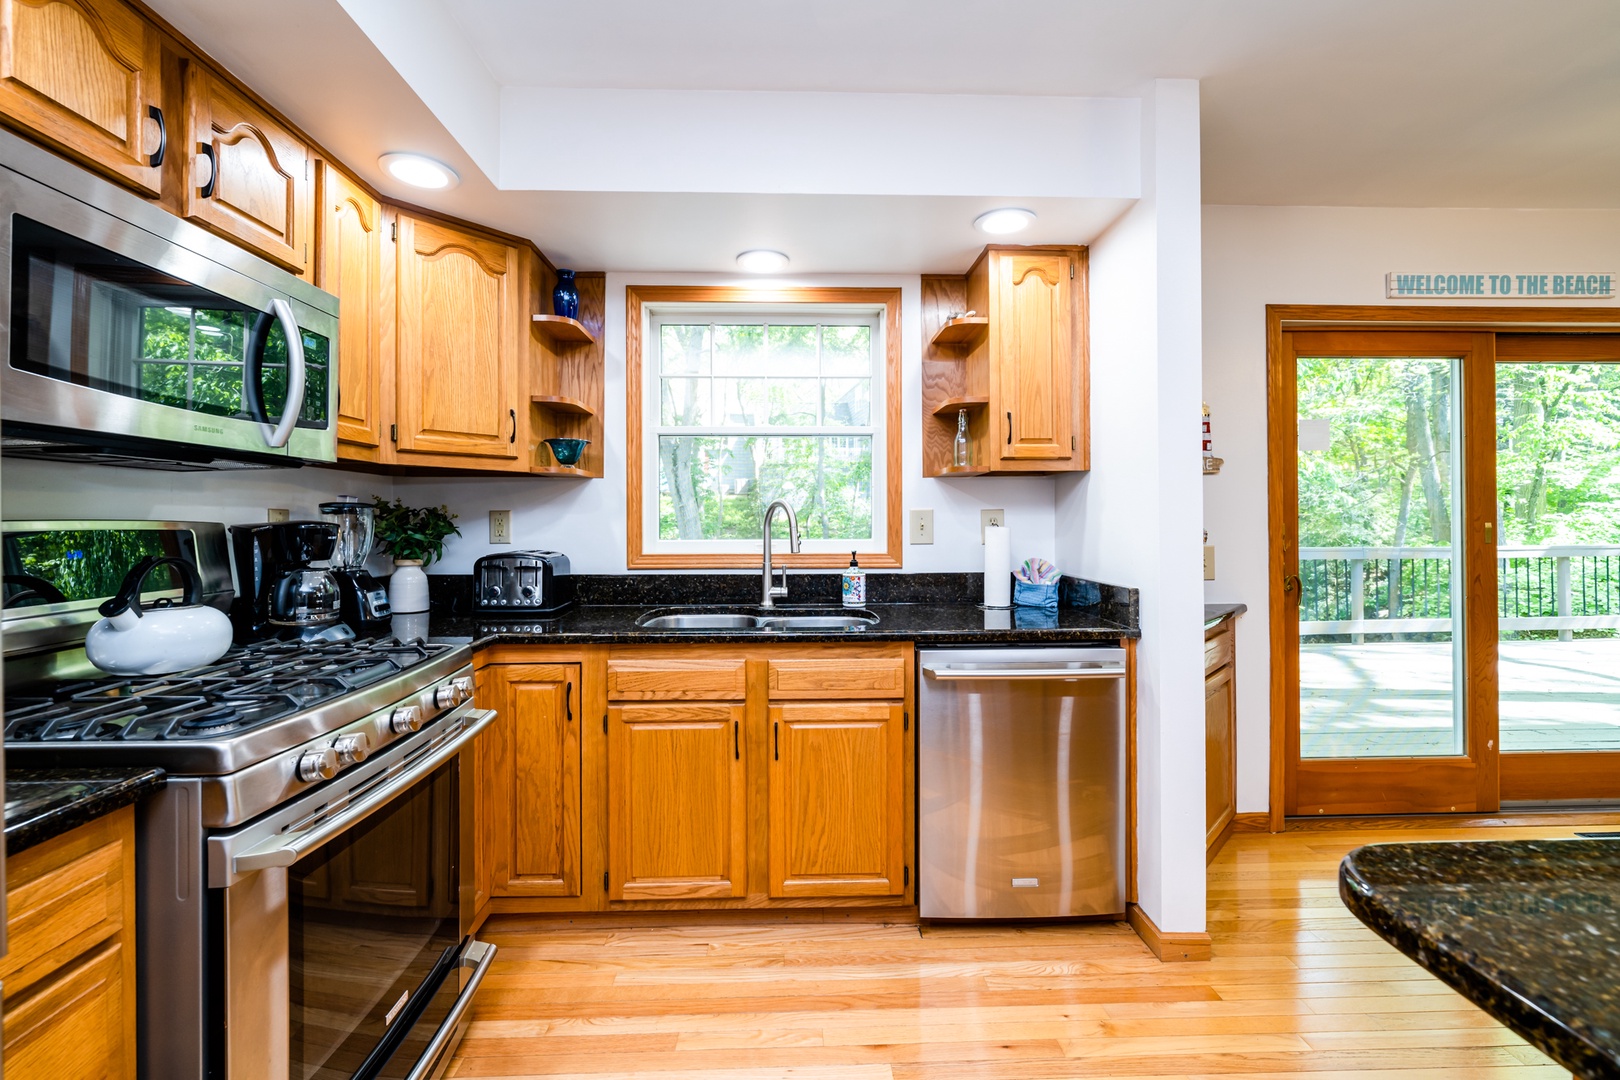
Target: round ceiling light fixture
[(419, 171), (763, 261), (1009, 219)]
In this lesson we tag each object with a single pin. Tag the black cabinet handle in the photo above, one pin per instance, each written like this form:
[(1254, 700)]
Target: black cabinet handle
[(163, 136), (1009, 429), (776, 738), (207, 190), (568, 701), (513, 414), (736, 739)]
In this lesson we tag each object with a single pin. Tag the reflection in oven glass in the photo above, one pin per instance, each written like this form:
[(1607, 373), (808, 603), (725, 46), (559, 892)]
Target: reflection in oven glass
[(371, 914)]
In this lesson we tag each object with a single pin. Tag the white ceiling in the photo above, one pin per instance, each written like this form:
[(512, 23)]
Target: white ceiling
[(1325, 102)]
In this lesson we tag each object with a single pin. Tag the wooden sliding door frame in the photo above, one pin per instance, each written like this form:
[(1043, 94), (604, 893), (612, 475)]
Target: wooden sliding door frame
[(1477, 774)]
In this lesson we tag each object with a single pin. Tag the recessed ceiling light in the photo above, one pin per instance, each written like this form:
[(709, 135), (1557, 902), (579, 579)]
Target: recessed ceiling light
[(419, 171), (1007, 220), (763, 261)]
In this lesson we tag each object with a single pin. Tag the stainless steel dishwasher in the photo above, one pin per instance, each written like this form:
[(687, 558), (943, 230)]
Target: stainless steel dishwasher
[(1021, 783)]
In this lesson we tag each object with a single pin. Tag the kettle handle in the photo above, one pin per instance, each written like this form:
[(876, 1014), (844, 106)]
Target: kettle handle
[(129, 593)]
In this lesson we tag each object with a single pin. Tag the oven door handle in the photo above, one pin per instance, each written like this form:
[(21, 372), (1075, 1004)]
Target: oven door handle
[(287, 848), (479, 955)]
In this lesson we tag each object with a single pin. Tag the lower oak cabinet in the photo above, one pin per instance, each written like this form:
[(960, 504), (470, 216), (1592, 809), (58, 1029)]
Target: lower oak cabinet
[(69, 968), (648, 777)]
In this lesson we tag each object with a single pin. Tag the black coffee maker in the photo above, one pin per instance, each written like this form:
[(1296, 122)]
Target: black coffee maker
[(362, 598), (279, 592)]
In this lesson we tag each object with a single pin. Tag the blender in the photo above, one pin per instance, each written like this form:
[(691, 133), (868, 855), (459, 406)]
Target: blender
[(362, 599)]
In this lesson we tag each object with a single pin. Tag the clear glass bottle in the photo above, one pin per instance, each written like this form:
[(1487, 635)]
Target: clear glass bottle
[(959, 452)]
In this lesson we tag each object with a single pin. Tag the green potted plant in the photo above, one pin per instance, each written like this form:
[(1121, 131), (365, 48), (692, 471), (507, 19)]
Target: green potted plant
[(414, 536)]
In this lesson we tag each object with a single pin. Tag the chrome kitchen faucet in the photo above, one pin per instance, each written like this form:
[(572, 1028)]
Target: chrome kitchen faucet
[(768, 590)]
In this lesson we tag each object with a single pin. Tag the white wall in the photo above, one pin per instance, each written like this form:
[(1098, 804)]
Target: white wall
[(1259, 255), (1135, 518), (585, 519), (46, 489)]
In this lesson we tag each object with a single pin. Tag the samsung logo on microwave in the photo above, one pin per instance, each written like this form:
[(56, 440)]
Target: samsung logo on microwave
[(208, 428)]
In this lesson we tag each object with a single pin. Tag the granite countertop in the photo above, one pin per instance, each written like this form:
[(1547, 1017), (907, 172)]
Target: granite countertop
[(1214, 613), (925, 624), (1528, 930), (45, 803)]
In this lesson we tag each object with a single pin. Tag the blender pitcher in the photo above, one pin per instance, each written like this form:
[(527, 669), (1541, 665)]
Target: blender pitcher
[(362, 599)]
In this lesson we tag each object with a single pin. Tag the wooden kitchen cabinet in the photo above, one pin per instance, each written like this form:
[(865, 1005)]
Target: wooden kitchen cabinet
[(529, 780), (69, 970), (460, 340), (249, 176), (1018, 367), (1220, 734), (85, 76), (677, 802), (350, 267), (837, 799)]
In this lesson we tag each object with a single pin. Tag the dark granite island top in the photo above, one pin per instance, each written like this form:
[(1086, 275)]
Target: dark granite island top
[(1528, 930), (45, 803)]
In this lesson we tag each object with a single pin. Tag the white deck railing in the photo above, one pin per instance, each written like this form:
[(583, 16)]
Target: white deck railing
[(1561, 558)]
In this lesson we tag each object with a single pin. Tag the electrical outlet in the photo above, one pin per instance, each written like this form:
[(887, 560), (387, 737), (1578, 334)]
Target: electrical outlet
[(276, 515), (922, 526), (1209, 562), (500, 526), (991, 517)]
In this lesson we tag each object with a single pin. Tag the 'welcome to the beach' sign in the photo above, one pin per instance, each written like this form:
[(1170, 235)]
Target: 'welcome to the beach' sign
[(1503, 286)]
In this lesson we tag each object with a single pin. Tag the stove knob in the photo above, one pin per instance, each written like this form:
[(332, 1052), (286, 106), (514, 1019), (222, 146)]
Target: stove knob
[(406, 719), (453, 693), (351, 749), (318, 765)]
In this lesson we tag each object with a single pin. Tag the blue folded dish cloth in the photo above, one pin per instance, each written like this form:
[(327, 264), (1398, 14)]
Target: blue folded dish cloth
[(1026, 594)]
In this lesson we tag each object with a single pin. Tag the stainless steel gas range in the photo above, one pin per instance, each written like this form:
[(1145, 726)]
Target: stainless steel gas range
[(303, 902)]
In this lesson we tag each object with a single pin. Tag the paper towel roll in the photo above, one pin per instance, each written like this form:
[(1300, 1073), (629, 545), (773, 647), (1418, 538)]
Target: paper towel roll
[(997, 566)]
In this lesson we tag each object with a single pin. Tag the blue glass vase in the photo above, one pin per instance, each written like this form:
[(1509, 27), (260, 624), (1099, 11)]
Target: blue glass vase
[(565, 297)]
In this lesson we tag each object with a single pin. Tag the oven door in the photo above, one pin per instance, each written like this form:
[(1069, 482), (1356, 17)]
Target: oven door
[(116, 336), (345, 953)]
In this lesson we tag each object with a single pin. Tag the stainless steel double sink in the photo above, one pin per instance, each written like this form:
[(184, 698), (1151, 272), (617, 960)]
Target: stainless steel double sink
[(759, 621)]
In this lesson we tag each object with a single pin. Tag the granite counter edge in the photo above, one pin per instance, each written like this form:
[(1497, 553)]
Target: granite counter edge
[(33, 831)]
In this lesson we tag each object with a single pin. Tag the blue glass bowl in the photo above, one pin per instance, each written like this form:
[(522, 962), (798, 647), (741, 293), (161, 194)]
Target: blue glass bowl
[(567, 451)]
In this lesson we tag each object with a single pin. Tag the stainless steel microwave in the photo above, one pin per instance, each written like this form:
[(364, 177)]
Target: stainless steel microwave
[(129, 336)]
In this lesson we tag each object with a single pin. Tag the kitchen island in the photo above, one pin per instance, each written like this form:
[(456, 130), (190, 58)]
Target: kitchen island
[(1528, 930)]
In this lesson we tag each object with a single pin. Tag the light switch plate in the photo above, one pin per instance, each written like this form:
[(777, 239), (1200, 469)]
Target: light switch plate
[(275, 515), (500, 526), (922, 527), (1209, 562), (991, 517)]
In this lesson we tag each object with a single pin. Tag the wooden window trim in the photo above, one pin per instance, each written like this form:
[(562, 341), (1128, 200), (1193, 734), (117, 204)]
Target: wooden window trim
[(637, 297)]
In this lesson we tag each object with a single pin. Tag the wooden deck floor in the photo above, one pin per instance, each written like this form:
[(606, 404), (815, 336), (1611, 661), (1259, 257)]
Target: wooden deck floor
[(1297, 988)]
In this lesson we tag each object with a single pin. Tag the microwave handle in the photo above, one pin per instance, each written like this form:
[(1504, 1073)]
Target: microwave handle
[(253, 377)]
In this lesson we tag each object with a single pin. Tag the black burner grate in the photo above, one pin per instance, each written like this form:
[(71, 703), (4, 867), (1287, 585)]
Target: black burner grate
[(248, 687)]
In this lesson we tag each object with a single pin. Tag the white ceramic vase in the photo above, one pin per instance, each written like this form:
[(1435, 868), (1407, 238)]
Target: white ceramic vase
[(408, 588)]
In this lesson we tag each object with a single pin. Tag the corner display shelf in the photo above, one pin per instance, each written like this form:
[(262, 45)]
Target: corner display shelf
[(968, 330), (558, 403), (563, 330), (566, 383), (951, 406)]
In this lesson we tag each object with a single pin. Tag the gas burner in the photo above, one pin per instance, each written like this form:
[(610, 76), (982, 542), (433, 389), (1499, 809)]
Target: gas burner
[(213, 720)]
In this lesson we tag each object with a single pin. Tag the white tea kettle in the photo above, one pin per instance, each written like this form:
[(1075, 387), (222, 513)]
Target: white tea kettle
[(160, 638)]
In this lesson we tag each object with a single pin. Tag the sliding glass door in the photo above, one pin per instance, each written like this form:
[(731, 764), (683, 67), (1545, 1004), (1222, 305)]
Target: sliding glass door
[(1449, 558)]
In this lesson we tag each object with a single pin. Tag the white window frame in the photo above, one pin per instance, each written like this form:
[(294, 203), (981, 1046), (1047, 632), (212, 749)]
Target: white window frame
[(810, 313)]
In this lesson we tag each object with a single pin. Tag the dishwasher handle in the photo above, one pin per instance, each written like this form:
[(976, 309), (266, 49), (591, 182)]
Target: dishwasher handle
[(1080, 670)]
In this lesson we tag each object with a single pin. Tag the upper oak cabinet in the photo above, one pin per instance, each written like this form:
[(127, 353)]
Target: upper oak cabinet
[(84, 75), (250, 178), (351, 237), (1016, 365), (460, 338)]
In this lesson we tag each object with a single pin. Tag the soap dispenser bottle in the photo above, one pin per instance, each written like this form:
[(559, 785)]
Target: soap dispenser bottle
[(854, 584)]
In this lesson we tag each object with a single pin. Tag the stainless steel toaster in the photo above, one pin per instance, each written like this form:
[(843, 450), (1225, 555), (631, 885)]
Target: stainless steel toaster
[(523, 582)]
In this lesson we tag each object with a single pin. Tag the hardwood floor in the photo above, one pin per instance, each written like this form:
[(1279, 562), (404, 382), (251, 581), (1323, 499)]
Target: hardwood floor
[(1297, 987)]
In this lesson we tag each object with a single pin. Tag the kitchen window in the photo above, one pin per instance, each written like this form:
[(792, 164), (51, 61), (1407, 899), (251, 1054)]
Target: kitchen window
[(746, 399)]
